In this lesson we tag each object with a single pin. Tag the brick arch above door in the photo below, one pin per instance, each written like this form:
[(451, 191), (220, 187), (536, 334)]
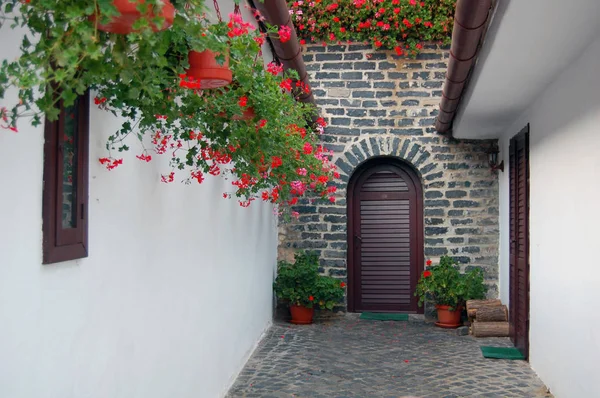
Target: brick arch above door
[(405, 149)]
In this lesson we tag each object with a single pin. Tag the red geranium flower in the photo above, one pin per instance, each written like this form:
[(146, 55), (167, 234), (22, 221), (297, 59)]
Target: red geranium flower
[(342, 284), (311, 298), (428, 263), (426, 274)]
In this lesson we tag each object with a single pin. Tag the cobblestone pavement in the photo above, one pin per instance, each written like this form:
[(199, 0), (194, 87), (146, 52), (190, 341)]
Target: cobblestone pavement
[(348, 357)]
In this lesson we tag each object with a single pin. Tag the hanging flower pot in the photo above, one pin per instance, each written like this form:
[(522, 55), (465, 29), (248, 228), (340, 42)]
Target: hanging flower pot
[(123, 24), (248, 114), (206, 71)]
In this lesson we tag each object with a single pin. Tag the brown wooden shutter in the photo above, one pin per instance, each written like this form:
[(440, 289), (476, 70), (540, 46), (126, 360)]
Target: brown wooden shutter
[(519, 240), (65, 192)]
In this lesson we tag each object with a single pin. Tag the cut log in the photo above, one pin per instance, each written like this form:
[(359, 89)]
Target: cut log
[(492, 314), (490, 329), (474, 304)]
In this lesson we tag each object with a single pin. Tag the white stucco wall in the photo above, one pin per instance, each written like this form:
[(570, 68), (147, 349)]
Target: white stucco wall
[(564, 228), (172, 299)]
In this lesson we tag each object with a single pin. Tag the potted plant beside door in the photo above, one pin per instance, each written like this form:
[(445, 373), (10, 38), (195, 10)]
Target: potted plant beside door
[(300, 285), (449, 289)]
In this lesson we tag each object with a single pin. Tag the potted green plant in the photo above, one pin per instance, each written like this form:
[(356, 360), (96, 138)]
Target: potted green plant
[(449, 289), (300, 285)]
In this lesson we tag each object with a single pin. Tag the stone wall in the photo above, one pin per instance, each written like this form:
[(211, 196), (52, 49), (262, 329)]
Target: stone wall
[(378, 104)]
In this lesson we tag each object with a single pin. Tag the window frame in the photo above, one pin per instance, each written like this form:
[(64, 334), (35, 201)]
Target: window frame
[(63, 244)]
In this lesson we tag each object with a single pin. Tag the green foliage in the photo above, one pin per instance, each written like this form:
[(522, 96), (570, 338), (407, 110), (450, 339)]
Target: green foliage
[(300, 283), (400, 24), (445, 285), (141, 77)]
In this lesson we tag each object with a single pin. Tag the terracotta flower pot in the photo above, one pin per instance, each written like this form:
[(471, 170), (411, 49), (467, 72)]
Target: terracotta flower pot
[(301, 315), (446, 318), (248, 114), (205, 70), (123, 24)]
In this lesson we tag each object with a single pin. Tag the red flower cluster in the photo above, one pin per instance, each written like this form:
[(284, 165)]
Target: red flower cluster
[(274, 68), (426, 274), (403, 24), (189, 82), (237, 26), (99, 101), (285, 33), (110, 163), (4, 118), (144, 157), (198, 176), (168, 178)]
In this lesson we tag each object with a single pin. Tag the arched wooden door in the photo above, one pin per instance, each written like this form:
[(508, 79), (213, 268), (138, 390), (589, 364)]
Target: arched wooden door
[(385, 238)]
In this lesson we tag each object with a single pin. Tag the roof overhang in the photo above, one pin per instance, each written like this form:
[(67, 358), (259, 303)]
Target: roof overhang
[(528, 43)]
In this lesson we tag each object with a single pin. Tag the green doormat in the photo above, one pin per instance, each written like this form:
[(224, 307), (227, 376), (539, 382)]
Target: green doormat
[(501, 352), (379, 316)]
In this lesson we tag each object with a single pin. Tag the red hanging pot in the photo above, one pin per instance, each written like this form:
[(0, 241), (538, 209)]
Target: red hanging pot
[(206, 71), (123, 24), (248, 114)]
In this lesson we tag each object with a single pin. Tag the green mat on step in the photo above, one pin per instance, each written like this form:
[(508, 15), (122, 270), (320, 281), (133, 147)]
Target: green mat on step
[(378, 316), (501, 352)]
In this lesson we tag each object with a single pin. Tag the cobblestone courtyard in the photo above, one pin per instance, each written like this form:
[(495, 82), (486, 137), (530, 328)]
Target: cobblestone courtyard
[(348, 357)]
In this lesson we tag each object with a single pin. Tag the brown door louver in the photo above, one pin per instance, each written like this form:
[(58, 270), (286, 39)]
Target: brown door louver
[(519, 240), (385, 239)]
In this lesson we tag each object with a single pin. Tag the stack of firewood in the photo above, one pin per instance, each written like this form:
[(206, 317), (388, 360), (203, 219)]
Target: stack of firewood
[(489, 318)]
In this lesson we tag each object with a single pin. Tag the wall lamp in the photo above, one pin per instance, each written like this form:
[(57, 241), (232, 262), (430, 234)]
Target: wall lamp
[(492, 153)]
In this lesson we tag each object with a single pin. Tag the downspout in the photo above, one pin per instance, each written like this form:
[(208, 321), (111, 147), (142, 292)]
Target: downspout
[(470, 22), (276, 13)]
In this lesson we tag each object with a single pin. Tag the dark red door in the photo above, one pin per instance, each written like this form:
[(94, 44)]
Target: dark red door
[(519, 240), (385, 239)]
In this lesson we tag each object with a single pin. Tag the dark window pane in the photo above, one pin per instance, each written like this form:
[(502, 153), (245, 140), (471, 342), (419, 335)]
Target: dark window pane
[(69, 177)]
